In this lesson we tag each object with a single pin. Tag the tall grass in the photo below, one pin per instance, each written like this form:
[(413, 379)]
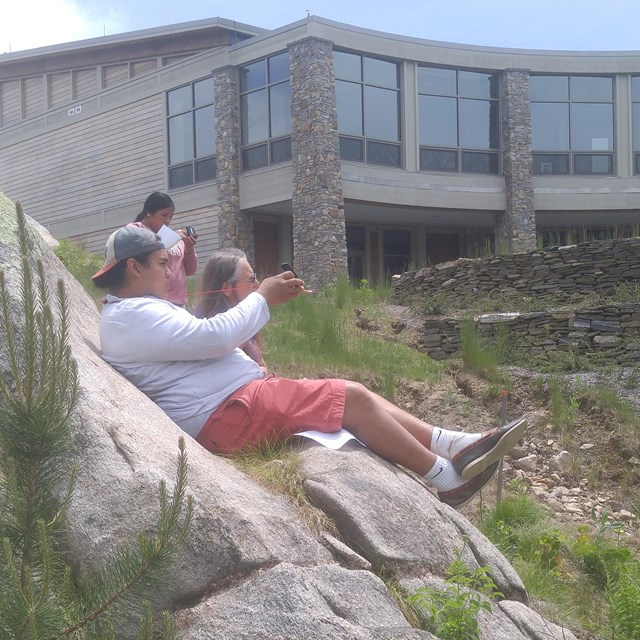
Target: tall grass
[(584, 575), (576, 235), (315, 335), (483, 355)]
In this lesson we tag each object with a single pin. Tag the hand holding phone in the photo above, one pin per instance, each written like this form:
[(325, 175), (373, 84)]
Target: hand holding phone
[(287, 267), (191, 232)]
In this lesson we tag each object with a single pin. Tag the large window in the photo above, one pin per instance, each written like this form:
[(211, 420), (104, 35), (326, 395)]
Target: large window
[(265, 111), (368, 98), (572, 124), (192, 133), (635, 97), (459, 120)]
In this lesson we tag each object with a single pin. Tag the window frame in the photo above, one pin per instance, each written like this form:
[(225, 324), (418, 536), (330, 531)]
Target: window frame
[(459, 153), (635, 126), (268, 151), (195, 163), (372, 148), (574, 157)]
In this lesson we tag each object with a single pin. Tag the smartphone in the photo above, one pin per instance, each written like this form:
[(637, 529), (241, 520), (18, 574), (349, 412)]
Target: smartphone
[(191, 232), (287, 267)]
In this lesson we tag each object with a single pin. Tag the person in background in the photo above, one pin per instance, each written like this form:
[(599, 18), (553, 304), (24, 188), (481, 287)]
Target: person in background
[(158, 210), (194, 370)]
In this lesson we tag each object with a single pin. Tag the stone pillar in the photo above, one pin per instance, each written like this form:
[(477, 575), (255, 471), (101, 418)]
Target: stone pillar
[(234, 227), (319, 237), (516, 228)]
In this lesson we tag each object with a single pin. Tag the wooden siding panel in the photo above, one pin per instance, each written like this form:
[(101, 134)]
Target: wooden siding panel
[(59, 89), (10, 102), (206, 223), (114, 75), (33, 96), (143, 66), (85, 82), (111, 160)]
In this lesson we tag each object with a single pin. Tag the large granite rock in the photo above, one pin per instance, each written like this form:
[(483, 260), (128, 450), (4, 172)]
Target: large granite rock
[(251, 568)]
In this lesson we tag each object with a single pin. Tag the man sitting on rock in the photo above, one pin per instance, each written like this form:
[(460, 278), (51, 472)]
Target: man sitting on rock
[(195, 371)]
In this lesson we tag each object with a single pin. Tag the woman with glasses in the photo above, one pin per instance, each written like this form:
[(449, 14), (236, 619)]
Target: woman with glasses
[(227, 279)]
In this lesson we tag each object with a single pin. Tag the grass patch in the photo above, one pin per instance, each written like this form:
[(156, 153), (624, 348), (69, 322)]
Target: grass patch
[(316, 335), (578, 575), (276, 467), (482, 356)]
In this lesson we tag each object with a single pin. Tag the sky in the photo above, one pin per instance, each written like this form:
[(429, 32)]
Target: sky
[(582, 25)]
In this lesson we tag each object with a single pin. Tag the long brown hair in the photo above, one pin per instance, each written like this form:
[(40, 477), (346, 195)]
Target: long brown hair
[(221, 267)]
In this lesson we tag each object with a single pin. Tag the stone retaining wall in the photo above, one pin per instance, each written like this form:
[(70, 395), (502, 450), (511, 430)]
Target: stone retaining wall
[(612, 331), (584, 268)]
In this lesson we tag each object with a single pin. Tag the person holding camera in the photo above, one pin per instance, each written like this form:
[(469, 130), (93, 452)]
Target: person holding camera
[(157, 211), (194, 369), (226, 280)]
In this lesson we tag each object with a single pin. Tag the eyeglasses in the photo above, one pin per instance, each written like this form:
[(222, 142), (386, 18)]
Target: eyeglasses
[(252, 279)]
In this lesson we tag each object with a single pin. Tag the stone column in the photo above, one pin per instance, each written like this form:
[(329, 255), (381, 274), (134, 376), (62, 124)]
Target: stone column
[(319, 237), (234, 227), (516, 228)]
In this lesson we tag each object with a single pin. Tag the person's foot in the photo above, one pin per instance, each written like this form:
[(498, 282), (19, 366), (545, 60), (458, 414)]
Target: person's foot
[(459, 496), (492, 446)]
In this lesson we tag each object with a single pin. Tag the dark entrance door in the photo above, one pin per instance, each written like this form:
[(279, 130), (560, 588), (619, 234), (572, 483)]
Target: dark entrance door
[(266, 238)]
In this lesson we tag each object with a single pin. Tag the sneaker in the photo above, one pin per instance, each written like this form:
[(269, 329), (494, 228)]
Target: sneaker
[(459, 496), (492, 446)]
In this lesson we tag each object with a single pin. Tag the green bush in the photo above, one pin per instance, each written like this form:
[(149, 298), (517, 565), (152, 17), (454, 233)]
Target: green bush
[(81, 264), (452, 613)]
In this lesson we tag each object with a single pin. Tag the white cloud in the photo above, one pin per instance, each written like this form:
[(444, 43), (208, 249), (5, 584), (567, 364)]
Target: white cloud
[(27, 24)]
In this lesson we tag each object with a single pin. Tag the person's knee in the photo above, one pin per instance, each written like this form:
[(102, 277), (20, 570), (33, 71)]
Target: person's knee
[(357, 396)]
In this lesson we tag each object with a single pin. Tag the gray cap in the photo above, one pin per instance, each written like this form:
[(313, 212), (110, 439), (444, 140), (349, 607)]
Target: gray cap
[(128, 242)]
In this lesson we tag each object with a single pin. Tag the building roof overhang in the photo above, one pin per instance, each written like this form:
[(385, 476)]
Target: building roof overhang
[(172, 39)]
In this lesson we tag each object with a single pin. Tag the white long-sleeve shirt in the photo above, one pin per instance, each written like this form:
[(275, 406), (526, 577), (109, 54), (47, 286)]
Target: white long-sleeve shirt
[(186, 365)]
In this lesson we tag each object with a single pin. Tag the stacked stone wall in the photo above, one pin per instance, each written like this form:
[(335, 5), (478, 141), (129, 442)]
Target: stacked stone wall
[(234, 227), (612, 331), (577, 269)]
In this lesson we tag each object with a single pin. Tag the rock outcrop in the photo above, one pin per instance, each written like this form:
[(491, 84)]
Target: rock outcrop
[(251, 568)]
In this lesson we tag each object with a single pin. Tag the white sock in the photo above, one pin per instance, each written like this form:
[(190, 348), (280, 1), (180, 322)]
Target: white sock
[(447, 443), (443, 476)]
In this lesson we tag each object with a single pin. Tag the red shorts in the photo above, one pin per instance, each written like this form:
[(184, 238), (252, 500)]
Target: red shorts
[(273, 409)]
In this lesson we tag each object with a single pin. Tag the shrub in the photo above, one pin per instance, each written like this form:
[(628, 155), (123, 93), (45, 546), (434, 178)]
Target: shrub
[(452, 614), (81, 264)]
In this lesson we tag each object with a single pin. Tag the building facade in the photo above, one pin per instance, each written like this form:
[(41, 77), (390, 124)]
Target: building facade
[(322, 144)]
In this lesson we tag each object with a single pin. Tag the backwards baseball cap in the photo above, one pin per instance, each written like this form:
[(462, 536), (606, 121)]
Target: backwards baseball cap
[(127, 242)]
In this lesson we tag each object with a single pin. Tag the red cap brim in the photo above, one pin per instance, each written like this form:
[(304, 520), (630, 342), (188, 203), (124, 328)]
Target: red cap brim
[(105, 269)]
